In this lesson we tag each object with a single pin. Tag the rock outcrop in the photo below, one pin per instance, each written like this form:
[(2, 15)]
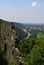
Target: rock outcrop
[(8, 43)]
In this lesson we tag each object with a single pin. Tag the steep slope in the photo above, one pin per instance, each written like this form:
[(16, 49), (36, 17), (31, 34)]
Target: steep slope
[(8, 39), (19, 29)]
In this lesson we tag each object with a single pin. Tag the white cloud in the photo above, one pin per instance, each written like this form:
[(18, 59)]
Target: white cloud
[(34, 4)]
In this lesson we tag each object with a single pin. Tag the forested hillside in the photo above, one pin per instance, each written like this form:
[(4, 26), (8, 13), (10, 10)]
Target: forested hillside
[(19, 30)]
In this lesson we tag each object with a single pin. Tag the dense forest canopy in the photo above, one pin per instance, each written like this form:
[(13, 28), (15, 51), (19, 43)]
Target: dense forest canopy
[(32, 51)]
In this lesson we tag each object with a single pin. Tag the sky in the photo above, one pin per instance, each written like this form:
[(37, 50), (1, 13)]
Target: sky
[(23, 11)]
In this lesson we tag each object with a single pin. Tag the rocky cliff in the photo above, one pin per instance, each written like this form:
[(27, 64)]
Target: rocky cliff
[(8, 39)]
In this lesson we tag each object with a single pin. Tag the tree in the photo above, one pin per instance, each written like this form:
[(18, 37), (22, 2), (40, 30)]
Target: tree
[(37, 55)]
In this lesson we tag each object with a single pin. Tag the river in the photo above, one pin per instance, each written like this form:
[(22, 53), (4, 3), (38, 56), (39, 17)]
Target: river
[(26, 32)]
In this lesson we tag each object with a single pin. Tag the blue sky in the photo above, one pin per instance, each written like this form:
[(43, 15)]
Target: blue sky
[(23, 11)]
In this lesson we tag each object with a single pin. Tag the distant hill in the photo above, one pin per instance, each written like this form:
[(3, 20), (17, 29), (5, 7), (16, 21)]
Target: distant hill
[(19, 25), (19, 29)]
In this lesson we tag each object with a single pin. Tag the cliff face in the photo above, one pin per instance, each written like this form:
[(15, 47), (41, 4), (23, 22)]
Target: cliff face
[(7, 33), (8, 40)]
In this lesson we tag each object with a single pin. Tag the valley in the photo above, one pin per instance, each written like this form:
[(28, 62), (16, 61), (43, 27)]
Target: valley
[(21, 44)]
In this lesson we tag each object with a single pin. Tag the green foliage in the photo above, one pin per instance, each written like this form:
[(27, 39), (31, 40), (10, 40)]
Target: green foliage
[(40, 35), (3, 60), (3, 57), (20, 33), (37, 55), (11, 63), (19, 29), (32, 51), (1, 21), (25, 46)]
